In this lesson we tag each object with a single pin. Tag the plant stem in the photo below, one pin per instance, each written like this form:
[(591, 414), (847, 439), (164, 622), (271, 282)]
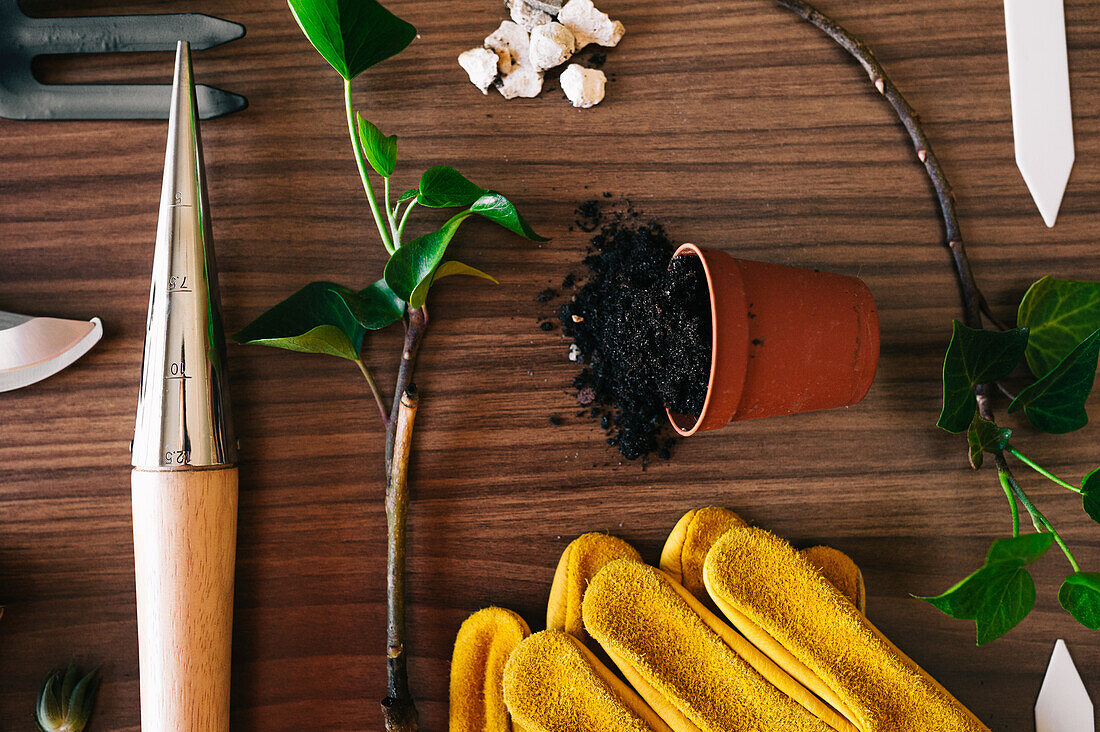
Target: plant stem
[(374, 390), (971, 295), (1037, 518), (398, 707), (394, 233), (404, 218), (361, 162), (974, 303), (1041, 470), (1004, 476)]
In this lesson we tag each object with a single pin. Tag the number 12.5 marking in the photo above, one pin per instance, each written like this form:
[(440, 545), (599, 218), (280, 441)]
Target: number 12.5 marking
[(178, 457)]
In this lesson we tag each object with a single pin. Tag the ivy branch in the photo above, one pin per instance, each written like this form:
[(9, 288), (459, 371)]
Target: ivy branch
[(327, 318), (1059, 334)]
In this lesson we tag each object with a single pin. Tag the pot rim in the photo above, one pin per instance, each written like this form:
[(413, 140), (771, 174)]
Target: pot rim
[(673, 418)]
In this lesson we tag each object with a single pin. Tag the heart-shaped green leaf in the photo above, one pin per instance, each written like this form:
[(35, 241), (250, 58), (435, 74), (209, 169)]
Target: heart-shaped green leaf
[(1025, 549), (381, 151), (975, 357), (376, 306), (1060, 314), (324, 318), (500, 210), (985, 436), (995, 597), (417, 259), (444, 187), (352, 35), (1000, 594), (447, 269), (1056, 402), (1090, 494), (1080, 596)]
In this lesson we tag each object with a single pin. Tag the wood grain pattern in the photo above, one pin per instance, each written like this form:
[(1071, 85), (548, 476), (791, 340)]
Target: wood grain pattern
[(732, 122), (185, 534)]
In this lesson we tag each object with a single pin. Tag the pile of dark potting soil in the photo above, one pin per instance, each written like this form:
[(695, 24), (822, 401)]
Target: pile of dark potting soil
[(641, 330)]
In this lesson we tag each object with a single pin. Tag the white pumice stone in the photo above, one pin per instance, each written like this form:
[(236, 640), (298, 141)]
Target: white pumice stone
[(551, 45), (589, 25), (553, 7), (527, 15), (512, 43), (481, 65), (524, 81), (584, 87), (574, 353)]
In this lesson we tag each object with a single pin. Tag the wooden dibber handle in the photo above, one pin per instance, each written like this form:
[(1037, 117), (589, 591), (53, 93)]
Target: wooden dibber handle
[(185, 536)]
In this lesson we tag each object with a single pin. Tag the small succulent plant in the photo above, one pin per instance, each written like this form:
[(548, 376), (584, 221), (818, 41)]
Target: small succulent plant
[(66, 699)]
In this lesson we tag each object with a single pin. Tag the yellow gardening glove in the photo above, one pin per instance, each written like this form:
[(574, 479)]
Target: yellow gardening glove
[(694, 670), (484, 643), (695, 533), (778, 600), (582, 559), (552, 683)]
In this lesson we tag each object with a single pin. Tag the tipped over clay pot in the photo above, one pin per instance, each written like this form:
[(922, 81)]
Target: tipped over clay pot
[(784, 340)]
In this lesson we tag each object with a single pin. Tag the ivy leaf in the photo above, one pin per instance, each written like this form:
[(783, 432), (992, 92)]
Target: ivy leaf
[(1056, 402), (1025, 549), (381, 151), (1060, 314), (448, 268), (1080, 596), (444, 187), (417, 259), (975, 357), (985, 436), (352, 35), (324, 318), (1000, 594), (1090, 494)]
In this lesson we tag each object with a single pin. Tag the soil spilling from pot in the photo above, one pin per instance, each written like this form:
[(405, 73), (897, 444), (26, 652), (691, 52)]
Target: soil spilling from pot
[(641, 329)]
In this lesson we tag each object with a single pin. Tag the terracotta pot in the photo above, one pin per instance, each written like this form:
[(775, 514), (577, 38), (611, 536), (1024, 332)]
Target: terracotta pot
[(784, 340)]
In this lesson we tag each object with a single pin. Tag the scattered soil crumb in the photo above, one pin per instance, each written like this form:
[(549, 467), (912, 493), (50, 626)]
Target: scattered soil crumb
[(589, 216), (555, 420), (546, 295)]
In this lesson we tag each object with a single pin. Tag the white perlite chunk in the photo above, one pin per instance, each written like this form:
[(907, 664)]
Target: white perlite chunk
[(589, 25), (584, 87), (551, 45), (481, 65), (512, 43), (526, 15), (522, 82)]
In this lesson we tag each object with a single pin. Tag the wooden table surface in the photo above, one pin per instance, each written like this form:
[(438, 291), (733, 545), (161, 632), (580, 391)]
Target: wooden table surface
[(732, 122)]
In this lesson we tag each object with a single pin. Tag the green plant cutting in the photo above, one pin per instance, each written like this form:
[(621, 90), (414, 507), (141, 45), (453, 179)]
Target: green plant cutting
[(65, 700), (1058, 335), (333, 319)]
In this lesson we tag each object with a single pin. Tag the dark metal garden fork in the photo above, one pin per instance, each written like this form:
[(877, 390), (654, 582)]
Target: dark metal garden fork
[(22, 38)]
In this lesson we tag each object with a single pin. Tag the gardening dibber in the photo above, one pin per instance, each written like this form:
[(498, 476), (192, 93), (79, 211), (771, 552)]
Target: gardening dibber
[(22, 38), (184, 478)]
